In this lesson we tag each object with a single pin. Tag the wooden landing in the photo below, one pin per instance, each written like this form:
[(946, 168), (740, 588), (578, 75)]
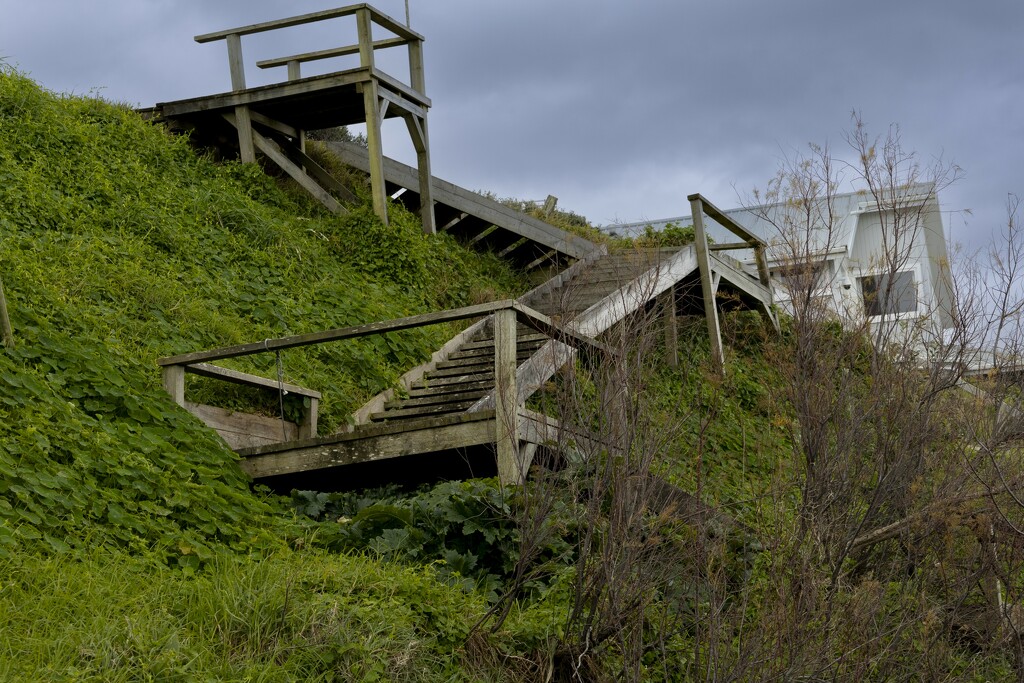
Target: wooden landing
[(312, 103), (526, 241)]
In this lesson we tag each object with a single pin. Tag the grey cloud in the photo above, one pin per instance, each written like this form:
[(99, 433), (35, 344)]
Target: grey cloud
[(618, 108)]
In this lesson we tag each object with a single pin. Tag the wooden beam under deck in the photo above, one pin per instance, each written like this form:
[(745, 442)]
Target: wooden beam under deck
[(371, 443), (479, 210)]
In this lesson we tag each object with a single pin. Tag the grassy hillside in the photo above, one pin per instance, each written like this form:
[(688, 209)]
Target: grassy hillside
[(133, 548), (118, 246)]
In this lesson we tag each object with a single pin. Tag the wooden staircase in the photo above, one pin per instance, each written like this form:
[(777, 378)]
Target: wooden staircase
[(523, 240), (588, 298), (463, 413)]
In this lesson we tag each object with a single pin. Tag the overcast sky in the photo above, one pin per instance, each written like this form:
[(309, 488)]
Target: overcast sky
[(618, 108)]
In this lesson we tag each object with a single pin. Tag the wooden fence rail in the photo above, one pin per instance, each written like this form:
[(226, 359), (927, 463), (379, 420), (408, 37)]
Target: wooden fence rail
[(243, 430)]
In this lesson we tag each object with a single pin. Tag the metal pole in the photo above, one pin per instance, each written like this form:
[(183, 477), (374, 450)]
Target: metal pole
[(407, 14), (5, 322)]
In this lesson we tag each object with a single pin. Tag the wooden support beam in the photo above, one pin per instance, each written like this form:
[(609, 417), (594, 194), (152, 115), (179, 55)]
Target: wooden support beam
[(308, 426), (459, 217), (323, 176), (722, 219), (364, 31), (377, 16), (243, 121), (465, 313), (728, 246), (506, 404), (763, 274), (288, 166), (295, 74), (236, 65), (6, 333), (706, 284), (276, 126), (246, 136), (375, 149), (371, 443), (546, 256), (668, 307), (418, 132), (549, 205), (371, 105), (245, 379)]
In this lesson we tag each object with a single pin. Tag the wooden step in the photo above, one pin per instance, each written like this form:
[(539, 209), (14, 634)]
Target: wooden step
[(488, 350), (530, 336), (446, 373), (461, 387), (438, 399), (482, 362), (431, 381), (422, 411)]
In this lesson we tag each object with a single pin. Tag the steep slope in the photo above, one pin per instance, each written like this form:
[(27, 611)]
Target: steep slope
[(119, 245)]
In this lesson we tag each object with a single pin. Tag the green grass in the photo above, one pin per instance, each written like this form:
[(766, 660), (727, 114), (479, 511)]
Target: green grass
[(133, 548), (284, 617)]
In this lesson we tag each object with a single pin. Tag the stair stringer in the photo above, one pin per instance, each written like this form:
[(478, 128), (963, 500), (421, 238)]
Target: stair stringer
[(545, 362)]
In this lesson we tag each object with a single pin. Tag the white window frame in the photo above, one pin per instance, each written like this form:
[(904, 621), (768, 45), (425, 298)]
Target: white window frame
[(918, 312)]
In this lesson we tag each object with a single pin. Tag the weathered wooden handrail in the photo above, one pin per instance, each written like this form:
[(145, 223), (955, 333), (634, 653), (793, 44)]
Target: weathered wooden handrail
[(378, 17), (328, 54), (506, 313), (524, 314), (366, 15)]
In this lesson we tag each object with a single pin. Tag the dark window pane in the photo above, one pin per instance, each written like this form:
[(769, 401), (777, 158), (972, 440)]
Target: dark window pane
[(881, 298)]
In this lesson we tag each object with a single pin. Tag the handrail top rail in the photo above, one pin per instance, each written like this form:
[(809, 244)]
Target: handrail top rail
[(727, 222), (328, 54), (524, 313), (378, 17)]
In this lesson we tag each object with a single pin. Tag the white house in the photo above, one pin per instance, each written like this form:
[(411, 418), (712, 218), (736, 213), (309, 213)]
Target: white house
[(851, 252)]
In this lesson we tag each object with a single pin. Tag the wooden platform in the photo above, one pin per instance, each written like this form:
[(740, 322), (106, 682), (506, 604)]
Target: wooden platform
[(312, 103)]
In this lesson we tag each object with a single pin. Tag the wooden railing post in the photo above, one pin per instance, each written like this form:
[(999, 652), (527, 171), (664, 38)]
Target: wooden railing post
[(707, 284), (506, 398), (307, 428), (294, 74), (6, 332), (417, 77), (668, 303), (174, 382), (418, 132), (763, 274)]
